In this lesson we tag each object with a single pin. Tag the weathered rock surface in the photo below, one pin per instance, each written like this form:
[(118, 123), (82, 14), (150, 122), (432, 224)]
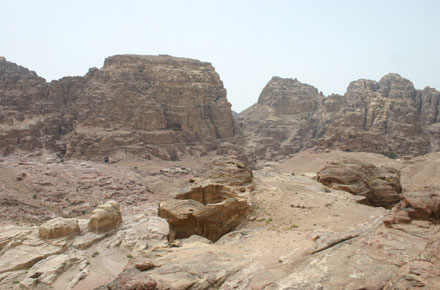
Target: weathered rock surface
[(423, 205), (22, 248), (48, 270), (148, 106), (227, 171), (209, 211), (213, 206), (389, 117), (397, 259), (194, 266), (301, 237), (59, 227), (105, 217), (380, 185), (132, 280)]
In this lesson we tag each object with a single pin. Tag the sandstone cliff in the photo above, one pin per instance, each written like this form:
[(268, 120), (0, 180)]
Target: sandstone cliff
[(144, 105), (389, 116)]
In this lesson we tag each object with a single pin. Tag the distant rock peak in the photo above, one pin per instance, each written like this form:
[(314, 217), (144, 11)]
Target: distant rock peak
[(389, 116)]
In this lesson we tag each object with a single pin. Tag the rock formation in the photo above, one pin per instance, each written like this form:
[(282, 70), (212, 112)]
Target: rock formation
[(209, 211), (105, 217), (227, 171), (389, 117), (379, 185), (144, 105), (213, 206), (424, 205), (59, 227)]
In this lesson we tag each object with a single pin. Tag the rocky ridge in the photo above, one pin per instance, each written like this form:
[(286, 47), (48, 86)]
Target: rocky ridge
[(389, 117), (146, 106)]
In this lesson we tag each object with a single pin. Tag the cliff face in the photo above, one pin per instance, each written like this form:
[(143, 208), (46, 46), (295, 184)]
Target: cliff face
[(145, 105), (29, 116), (389, 116)]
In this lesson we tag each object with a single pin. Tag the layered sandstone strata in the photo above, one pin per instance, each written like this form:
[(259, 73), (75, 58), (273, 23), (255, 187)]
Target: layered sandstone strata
[(379, 185), (143, 105), (389, 116)]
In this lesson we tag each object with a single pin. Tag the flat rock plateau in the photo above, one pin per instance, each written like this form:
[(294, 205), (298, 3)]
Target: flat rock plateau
[(138, 176)]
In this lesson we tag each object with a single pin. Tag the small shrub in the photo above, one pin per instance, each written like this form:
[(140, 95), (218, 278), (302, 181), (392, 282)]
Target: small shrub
[(95, 254), (391, 155), (129, 256)]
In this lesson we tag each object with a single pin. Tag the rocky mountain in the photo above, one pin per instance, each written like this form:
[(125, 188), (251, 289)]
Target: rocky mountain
[(148, 106), (194, 220), (389, 117)]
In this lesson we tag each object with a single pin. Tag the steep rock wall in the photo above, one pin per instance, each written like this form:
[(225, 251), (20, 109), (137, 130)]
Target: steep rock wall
[(389, 116), (144, 105)]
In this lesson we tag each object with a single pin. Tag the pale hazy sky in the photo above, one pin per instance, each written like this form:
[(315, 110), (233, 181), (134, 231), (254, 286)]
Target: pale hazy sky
[(323, 43)]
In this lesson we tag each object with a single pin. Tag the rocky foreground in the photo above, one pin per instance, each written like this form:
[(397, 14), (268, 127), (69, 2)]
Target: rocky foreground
[(297, 234)]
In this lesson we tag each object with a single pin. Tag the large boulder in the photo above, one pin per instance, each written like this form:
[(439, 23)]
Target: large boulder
[(59, 227), (415, 205), (209, 210), (380, 185), (422, 205), (105, 217), (227, 171)]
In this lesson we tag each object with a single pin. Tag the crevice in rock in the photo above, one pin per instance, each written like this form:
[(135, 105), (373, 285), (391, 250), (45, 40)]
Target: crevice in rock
[(333, 243)]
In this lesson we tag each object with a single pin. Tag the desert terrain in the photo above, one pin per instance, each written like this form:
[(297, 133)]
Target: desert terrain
[(138, 176), (299, 233)]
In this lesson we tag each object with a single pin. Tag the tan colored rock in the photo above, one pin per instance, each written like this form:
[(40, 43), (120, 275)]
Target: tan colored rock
[(380, 185), (87, 240), (415, 275), (105, 217), (28, 253), (148, 106), (48, 270), (195, 267), (422, 205), (389, 117), (59, 227), (209, 211), (227, 171), (132, 280)]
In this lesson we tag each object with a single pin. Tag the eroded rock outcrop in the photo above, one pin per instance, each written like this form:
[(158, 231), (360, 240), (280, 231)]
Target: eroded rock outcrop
[(159, 106), (105, 217), (227, 171), (380, 185), (59, 227), (423, 205), (209, 211), (213, 206), (389, 117)]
